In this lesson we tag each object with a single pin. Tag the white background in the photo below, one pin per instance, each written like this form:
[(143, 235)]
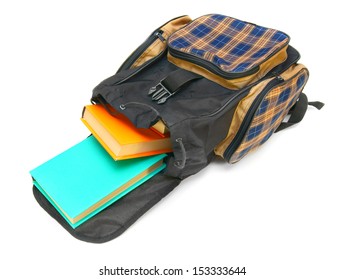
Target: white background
[(279, 212)]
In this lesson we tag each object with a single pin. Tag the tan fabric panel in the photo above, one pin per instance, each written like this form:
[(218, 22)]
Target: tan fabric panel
[(239, 83), (158, 46), (293, 70), (239, 115), (244, 105), (273, 115)]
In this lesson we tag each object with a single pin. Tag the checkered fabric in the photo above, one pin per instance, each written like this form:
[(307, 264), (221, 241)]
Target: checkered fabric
[(270, 113), (232, 45)]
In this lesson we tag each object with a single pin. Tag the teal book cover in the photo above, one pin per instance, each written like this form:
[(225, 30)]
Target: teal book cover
[(85, 179)]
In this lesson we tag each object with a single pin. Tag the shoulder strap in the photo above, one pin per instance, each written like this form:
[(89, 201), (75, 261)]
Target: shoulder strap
[(298, 111)]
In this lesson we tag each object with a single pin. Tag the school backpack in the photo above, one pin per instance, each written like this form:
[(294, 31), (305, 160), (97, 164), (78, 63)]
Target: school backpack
[(221, 86)]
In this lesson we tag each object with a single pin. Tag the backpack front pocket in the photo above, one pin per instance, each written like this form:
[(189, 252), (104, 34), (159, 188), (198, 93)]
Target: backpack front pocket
[(228, 51), (261, 112)]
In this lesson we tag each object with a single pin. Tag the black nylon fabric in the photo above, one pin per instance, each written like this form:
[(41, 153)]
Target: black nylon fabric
[(201, 97), (198, 115), (189, 114), (198, 118), (115, 219), (179, 78)]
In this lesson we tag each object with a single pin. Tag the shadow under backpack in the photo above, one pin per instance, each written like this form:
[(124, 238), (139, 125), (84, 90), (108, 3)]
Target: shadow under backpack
[(222, 86)]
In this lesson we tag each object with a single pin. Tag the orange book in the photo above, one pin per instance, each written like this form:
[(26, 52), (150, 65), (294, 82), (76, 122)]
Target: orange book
[(120, 137), (161, 127)]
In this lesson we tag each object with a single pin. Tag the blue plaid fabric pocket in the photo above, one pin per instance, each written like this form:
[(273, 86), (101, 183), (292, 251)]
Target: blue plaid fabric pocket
[(228, 47), (261, 112)]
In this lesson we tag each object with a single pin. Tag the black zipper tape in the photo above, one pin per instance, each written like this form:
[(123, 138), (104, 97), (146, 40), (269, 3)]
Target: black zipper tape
[(250, 114), (215, 69), (249, 117), (243, 92), (141, 67), (157, 34), (136, 54), (210, 66)]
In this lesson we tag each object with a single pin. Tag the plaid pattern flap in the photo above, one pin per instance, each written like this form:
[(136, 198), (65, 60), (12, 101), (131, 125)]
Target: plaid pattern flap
[(232, 45), (270, 113)]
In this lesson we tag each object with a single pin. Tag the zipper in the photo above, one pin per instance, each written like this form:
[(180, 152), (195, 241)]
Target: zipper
[(210, 66), (157, 34), (137, 70), (233, 100), (135, 55), (249, 117), (243, 92)]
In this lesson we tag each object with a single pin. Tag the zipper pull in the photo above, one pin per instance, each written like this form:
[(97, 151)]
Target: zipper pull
[(279, 78), (159, 35)]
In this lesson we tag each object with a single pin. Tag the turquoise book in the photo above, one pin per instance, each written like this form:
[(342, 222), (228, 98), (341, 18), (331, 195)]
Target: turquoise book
[(85, 179)]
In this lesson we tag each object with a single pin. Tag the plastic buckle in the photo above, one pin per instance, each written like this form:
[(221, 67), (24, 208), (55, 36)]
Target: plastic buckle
[(160, 93)]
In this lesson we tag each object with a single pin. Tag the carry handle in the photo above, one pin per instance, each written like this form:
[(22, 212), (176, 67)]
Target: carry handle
[(298, 111)]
